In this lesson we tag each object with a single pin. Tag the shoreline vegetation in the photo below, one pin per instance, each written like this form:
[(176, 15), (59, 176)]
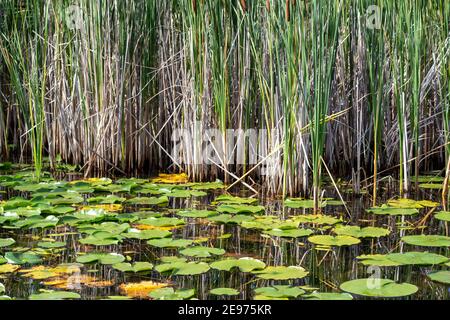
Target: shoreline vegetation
[(343, 89)]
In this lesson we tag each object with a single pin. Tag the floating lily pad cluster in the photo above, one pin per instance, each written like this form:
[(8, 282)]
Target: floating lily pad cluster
[(135, 228)]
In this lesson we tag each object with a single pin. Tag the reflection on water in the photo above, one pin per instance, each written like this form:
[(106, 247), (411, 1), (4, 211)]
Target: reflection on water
[(327, 269)]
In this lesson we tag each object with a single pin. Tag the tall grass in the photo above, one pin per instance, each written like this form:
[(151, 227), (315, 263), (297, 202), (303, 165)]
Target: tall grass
[(110, 94)]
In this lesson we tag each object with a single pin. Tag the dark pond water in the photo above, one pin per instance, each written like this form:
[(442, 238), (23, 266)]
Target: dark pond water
[(328, 267)]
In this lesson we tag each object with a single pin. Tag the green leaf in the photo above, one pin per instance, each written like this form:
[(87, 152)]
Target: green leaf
[(171, 294), (183, 268), (224, 292), (245, 264), (6, 242), (301, 203), (162, 222), (51, 245), (196, 213), (443, 216), (227, 199), (135, 267), (281, 273), (202, 252), (102, 258), (289, 233), (229, 219), (170, 243), (327, 240), (328, 296), (427, 240), (358, 232), (148, 201), (55, 295), (280, 291), (240, 209), (372, 287), (147, 234), (385, 210), (22, 258), (440, 276)]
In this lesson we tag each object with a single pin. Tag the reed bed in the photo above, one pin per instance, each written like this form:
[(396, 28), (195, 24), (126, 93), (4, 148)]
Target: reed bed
[(329, 86)]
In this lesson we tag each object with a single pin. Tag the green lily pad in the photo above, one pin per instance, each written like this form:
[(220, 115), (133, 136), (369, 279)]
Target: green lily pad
[(326, 240), (385, 210), (55, 295), (328, 296), (318, 219), (280, 291), (148, 201), (235, 200), (3, 260), (100, 238), (229, 219), (427, 240), (22, 258), (224, 292), (440, 276), (51, 245), (411, 204), (135, 267), (245, 264), (281, 273), (196, 213), (162, 222), (182, 268), (378, 288), (443, 215), (102, 258), (240, 209), (302, 203), (109, 199), (289, 233), (202, 252), (380, 260), (418, 258), (170, 243), (146, 234), (6, 242), (171, 294), (358, 232)]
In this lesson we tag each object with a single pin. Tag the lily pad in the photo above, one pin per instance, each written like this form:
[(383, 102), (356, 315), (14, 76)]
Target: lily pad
[(245, 264), (147, 234), (148, 201), (170, 243), (171, 294), (327, 240), (135, 267), (224, 292), (51, 245), (230, 219), (22, 258), (202, 252), (372, 287), (235, 200), (8, 268), (102, 258), (280, 291), (358, 232), (289, 233), (6, 242), (328, 296), (427, 240), (385, 210), (440, 276), (196, 213), (302, 203), (183, 268), (281, 273), (162, 222), (443, 215), (240, 209), (55, 295)]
